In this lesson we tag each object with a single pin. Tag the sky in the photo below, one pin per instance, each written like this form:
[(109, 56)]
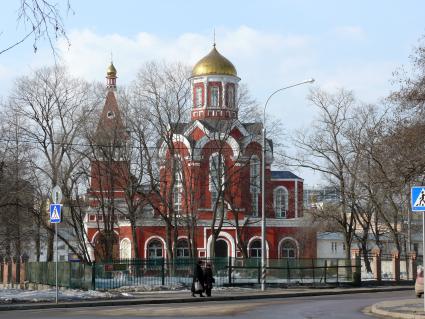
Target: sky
[(355, 45)]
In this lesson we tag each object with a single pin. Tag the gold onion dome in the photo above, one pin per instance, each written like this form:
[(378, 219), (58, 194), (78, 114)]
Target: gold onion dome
[(111, 71), (214, 63)]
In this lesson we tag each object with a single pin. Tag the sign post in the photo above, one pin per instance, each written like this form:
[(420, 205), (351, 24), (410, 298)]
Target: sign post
[(418, 205), (55, 218)]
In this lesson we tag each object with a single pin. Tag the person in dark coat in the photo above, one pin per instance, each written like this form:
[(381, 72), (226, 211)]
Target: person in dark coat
[(208, 279), (198, 275)]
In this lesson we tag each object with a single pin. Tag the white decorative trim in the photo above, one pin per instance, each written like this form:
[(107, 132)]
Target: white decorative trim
[(216, 137), (230, 249), (176, 138), (97, 233)]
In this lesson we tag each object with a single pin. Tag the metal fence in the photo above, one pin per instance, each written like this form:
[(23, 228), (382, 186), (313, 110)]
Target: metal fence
[(70, 274), (162, 272)]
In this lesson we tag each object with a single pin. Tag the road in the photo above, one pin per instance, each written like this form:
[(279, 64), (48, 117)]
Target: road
[(339, 306)]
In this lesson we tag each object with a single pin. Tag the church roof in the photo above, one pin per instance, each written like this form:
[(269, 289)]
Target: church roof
[(284, 175), (214, 63), (110, 125)]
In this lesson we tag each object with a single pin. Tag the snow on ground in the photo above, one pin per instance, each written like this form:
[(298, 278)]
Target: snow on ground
[(20, 295), (49, 295)]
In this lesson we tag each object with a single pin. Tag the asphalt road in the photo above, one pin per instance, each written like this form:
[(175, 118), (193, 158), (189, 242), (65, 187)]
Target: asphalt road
[(338, 306)]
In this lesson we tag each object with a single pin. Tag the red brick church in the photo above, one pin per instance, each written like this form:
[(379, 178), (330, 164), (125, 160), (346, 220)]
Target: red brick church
[(212, 173)]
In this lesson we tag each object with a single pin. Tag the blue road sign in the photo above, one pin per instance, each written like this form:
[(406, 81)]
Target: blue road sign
[(418, 198), (55, 213)]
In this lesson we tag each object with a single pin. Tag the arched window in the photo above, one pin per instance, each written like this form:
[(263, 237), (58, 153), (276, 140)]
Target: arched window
[(178, 188), (254, 177), (182, 248), (214, 96), (230, 92), (155, 249), (217, 176), (280, 197), (288, 249), (255, 249), (198, 96), (125, 249)]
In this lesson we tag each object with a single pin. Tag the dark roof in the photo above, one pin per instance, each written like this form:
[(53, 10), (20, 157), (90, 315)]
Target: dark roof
[(284, 175), (253, 128)]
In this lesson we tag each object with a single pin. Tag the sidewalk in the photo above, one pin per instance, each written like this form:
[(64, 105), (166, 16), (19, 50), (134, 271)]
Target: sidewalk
[(218, 295), (408, 308)]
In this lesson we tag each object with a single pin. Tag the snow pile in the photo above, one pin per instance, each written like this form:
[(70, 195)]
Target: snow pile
[(151, 288), (19, 295)]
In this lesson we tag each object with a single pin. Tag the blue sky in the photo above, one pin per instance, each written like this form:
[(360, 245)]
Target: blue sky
[(351, 44)]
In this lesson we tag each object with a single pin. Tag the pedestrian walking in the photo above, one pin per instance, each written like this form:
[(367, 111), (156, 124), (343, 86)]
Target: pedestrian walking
[(198, 280), (209, 279)]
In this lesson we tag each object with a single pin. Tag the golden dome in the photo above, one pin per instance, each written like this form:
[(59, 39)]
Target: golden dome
[(111, 71), (214, 63)]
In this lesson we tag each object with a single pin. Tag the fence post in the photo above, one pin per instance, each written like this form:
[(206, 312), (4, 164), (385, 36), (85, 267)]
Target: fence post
[(396, 265), (22, 272), (5, 272), (356, 266), (413, 266), (337, 272), (288, 271), (259, 273), (229, 270), (93, 275), (377, 264), (326, 266), (14, 266), (163, 272)]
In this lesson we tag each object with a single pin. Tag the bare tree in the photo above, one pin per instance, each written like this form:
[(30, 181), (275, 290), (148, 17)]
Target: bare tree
[(53, 107), (326, 149), (41, 19)]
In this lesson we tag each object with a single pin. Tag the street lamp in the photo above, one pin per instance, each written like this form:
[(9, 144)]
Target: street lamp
[(263, 188)]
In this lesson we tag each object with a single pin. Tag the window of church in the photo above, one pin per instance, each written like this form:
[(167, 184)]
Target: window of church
[(214, 93), (255, 249), (217, 176), (280, 202), (254, 183), (182, 248), (155, 249), (230, 96), (178, 188), (198, 96), (288, 249)]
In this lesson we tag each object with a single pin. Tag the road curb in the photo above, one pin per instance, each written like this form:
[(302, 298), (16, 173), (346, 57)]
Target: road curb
[(378, 309), (151, 301)]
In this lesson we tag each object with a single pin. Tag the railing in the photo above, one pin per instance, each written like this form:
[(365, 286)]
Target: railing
[(179, 272), (70, 274)]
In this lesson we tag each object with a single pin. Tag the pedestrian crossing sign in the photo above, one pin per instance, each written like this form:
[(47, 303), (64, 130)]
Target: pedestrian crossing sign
[(418, 198), (55, 213)]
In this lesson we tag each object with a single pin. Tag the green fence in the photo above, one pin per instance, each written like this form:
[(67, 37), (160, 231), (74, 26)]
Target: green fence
[(161, 272), (70, 274)]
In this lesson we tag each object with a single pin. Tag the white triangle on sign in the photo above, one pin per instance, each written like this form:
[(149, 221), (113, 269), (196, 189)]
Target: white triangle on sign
[(55, 214), (420, 201)]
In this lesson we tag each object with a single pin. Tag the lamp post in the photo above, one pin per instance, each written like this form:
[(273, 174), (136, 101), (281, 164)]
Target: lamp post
[(263, 188)]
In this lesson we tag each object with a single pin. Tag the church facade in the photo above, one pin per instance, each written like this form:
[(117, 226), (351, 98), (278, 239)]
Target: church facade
[(212, 176)]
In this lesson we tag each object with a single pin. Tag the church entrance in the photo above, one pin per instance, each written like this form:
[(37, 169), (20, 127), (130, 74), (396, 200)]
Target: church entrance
[(221, 248)]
